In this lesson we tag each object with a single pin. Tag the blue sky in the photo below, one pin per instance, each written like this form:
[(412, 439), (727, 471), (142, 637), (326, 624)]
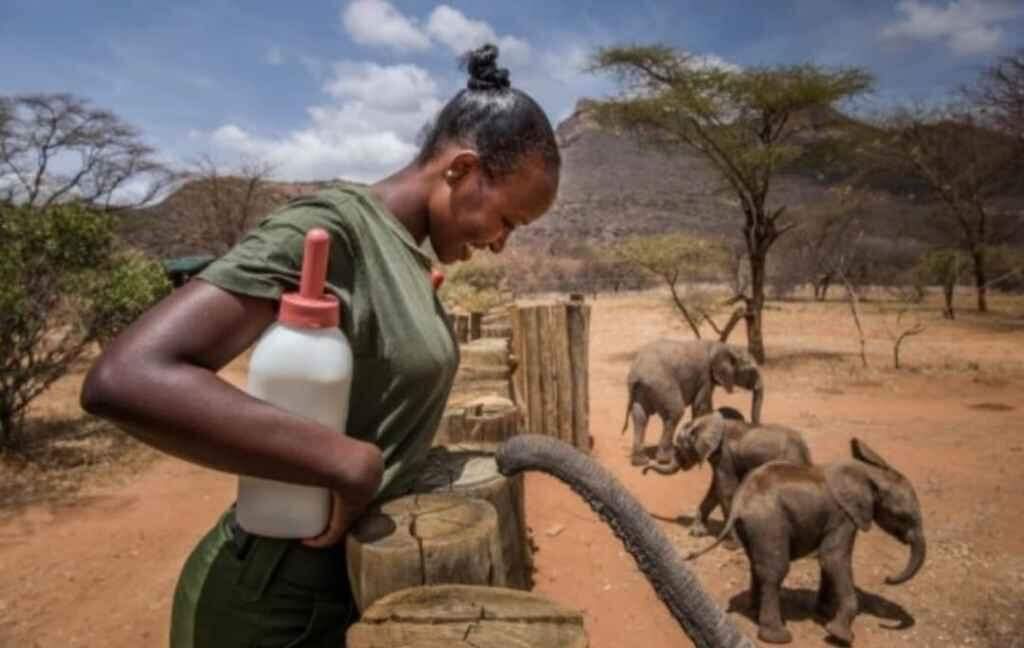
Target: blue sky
[(339, 88)]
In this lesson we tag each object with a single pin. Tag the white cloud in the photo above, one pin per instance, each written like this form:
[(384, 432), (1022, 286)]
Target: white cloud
[(967, 26), (459, 33), (376, 22), (368, 131), (396, 87), (275, 56)]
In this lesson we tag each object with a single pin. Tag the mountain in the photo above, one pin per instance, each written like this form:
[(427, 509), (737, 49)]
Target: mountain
[(611, 187)]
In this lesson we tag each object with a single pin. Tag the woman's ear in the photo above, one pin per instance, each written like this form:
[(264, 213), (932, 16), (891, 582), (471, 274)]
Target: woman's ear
[(462, 164)]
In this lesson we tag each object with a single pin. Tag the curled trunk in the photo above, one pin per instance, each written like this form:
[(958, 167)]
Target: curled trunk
[(664, 469), (701, 619), (918, 550)]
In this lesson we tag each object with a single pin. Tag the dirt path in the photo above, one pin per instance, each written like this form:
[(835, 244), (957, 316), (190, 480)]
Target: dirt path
[(100, 571)]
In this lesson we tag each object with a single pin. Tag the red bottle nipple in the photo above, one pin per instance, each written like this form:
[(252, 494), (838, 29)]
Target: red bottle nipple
[(311, 307)]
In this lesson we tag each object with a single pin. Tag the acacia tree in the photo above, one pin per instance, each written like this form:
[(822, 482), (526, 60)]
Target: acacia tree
[(216, 207), (965, 167), (57, 147), (1000, 94), (678, 260), (747, 123)]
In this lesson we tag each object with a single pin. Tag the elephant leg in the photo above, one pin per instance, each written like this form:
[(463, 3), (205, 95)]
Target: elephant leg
[(707, 505), (770, 564), (666, 452), (825, 606), (639, 415), (755, 590), (838, 565), (726, 487)]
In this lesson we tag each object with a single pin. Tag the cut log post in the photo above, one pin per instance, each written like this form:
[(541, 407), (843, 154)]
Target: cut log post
[(424, 540), (480, 419), (470, 470), (550, 343), (461, 325), (475, 324), (460, 616), (485, 368)]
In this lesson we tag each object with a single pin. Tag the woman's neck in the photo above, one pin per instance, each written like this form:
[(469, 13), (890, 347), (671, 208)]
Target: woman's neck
[(405, 194)]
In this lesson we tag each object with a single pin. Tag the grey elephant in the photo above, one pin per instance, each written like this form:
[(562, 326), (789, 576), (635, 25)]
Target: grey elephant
[(667, 376), (783, 512), (703, 621), (733, 448)]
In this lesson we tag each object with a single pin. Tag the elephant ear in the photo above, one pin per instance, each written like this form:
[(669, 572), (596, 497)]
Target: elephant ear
[(861, 451), (852, 489), (723, 368), (708, 437)]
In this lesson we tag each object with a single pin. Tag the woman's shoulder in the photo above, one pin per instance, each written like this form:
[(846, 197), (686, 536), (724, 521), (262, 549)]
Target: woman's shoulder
[(336, 208)]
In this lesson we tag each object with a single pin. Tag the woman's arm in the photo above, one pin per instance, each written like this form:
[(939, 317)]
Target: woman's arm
[(158, 380)]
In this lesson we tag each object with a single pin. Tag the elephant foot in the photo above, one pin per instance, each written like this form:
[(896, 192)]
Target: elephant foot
[(774, 635), (664, 456), (840, 632), (638, 459)]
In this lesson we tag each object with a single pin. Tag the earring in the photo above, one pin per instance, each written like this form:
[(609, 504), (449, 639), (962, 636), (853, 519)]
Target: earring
[(449, 174)]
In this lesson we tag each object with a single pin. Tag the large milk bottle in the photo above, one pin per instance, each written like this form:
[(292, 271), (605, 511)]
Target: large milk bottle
[(302, 364)]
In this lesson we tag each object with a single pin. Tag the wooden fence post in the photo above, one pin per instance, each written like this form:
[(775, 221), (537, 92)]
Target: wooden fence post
[(551, 345)]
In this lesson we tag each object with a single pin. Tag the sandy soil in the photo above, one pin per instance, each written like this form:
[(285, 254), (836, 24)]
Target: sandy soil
[(98, 569)]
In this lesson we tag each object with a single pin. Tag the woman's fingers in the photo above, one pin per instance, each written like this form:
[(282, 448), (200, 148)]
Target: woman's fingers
[(337, 525)]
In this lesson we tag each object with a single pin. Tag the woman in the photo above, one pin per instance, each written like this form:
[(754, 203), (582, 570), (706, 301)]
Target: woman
[(488, 165)]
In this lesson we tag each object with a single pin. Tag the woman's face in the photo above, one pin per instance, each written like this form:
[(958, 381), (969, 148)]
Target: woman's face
[(475, 211)]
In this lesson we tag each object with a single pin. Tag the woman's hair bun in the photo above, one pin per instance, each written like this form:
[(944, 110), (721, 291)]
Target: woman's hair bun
[(484, 73)]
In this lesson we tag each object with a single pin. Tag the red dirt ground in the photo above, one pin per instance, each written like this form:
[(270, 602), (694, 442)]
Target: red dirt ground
[(99, 570)]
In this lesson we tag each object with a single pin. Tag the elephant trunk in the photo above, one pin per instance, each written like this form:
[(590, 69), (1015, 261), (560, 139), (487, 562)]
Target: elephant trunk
[(670, 469), (917, 554), (701, 619), (757, 401)]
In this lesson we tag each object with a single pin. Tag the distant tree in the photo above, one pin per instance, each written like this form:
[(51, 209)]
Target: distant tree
[(966, 168), (1000, 94), (57, 147), (748, 123), (945, 267), (477, 285), (216, 206), (63, 285), (825, 231), (680, 260)]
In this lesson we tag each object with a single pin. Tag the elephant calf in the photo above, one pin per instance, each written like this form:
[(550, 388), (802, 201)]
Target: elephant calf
[(783, 512), (733, 448), (668, 376)]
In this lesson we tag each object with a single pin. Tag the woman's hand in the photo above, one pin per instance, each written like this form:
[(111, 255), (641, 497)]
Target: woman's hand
[(338, 524)]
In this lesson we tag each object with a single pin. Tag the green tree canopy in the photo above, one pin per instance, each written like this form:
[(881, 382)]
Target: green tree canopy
[(749, 123)]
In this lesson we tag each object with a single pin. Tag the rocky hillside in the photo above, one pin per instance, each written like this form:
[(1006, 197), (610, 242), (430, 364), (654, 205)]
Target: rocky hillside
[(611, 187)]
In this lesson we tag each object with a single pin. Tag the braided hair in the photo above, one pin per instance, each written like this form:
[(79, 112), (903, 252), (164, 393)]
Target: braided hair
[(501, 122)]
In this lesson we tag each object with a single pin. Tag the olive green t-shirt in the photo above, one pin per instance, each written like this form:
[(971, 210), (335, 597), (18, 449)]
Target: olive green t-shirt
[(405, 354)]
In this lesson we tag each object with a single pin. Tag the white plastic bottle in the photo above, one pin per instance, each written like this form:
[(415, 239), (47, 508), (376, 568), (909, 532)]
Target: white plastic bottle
[(302, 364)]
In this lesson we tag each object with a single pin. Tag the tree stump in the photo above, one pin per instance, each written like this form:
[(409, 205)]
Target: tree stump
[(459, 616), (424, 540), (470, 470), (479, 419)]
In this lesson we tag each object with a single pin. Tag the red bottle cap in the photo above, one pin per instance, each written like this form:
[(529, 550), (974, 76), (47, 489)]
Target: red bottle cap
[(310, 307)]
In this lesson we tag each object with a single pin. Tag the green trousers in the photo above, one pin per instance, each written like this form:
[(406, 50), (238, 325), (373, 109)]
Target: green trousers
[(256, 592)]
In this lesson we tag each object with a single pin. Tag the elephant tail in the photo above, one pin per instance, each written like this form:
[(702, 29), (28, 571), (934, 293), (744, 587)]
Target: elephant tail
[(629, 406), (726, 530)]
